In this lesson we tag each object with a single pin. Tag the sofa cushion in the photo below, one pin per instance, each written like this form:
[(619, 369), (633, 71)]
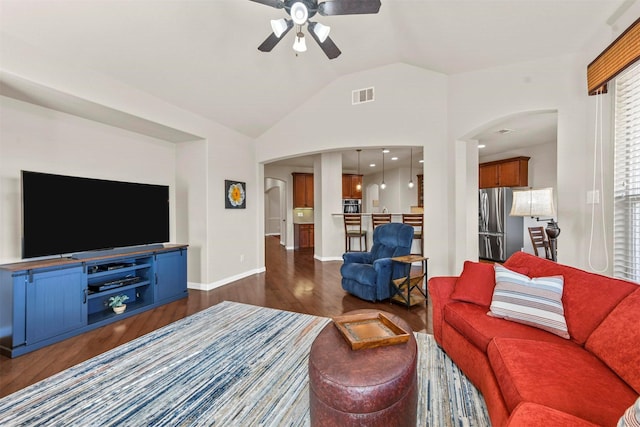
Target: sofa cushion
[(631, 417), (560, 375), (535, 302), (617, 340), (476, 283), (581, 290), (473, 323), (533, 415)]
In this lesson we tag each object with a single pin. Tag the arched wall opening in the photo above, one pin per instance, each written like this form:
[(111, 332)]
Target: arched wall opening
[(533, 134)]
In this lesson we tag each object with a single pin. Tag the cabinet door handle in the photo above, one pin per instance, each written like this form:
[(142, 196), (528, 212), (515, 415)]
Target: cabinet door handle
[(85, 293)]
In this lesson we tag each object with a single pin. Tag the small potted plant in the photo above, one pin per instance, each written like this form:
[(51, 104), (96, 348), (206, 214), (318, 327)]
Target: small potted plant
[(116, 302)]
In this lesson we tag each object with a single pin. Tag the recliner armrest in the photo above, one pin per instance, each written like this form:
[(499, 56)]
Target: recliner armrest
[(357, 257), (381, 263)]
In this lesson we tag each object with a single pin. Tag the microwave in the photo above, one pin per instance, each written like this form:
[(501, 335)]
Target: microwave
[(351, 206)]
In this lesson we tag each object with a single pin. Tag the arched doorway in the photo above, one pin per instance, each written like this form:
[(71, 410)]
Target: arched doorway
[(275, 209)]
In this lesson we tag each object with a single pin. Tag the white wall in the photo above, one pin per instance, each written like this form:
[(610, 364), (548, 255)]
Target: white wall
[(473, 100), (410, 110), (43, 140), (218, 238), (328, 229), (413, 107), (552, 84)]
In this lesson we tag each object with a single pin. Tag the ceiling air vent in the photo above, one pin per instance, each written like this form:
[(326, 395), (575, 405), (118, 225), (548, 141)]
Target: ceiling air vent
[(360, 96), (504, 131)]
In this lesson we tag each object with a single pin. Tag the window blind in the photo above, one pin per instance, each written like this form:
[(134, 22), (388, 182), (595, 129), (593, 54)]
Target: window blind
[(620, 54), (626, 227)]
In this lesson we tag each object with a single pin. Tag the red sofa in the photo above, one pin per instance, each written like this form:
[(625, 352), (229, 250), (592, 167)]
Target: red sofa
[(531, 377)]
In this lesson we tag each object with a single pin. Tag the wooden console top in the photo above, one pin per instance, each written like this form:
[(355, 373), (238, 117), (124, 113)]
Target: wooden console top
[(59, 262)]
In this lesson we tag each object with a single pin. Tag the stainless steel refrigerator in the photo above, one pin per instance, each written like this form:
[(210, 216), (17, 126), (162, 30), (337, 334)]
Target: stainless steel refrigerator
[(500, 234)]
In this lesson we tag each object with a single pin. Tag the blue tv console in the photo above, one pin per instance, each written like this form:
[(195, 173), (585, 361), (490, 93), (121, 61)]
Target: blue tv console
[(51, 300)]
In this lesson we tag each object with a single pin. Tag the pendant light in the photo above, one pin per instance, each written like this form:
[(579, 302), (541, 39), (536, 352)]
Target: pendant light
[(383, 185), (359, 185), (411, 170)]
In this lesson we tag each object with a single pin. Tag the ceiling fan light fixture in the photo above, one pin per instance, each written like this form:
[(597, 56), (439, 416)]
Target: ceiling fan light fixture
[(299, 13), (322, 31), (299, 44), (279, 26)]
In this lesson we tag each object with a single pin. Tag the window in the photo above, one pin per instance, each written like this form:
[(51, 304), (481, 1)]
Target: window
[(626, 222)]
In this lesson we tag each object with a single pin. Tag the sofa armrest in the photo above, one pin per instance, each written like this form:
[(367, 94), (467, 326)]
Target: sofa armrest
[(440, 290), (529, 414)]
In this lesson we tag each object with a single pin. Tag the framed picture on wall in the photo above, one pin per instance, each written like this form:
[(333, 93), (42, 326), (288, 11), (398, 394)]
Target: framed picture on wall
[(235, 195)]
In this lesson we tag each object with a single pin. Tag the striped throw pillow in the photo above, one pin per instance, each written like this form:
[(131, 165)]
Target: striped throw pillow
[(631, 417), (535, 302)]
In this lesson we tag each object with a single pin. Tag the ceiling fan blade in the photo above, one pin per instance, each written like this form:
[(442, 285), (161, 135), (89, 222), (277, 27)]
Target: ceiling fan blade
[(349, 7), (271, 41), (328, 46), (278, 4)]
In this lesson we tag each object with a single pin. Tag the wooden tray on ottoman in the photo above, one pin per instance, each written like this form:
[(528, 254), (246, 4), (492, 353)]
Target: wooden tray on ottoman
[(370, 330)]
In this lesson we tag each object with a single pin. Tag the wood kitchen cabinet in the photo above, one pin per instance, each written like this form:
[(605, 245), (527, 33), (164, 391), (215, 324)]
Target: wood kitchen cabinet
[(512, 172), (420, 190), (350, 184), (302, 190), (303, 236)]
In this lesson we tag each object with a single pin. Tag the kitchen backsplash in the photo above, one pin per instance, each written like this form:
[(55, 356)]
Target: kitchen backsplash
[(302, 215)]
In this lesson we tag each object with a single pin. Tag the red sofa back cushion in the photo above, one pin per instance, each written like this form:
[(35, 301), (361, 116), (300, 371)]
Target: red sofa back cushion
[(587, 297), (476, 283), (617, 340)]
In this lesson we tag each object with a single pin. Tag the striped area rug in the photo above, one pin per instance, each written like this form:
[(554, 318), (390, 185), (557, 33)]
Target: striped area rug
[(230, 365)]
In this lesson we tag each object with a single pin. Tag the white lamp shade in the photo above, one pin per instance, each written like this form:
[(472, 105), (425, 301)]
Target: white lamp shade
[(532, 203), (299, 13), (299, 45), (322, 31), (278, 26)]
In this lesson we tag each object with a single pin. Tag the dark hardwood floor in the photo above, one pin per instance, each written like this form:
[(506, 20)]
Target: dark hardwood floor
[(294, 281)]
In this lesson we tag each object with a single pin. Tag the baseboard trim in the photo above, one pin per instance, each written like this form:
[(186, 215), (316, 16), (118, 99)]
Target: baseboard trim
[(226, 281), (328, 258)]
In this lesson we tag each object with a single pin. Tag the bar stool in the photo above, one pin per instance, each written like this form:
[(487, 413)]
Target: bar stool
[(353, 228), (379, 219), (417, 221)]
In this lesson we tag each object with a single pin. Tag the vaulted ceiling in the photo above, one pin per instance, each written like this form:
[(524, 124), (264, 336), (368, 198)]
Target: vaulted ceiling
[(201, 55)]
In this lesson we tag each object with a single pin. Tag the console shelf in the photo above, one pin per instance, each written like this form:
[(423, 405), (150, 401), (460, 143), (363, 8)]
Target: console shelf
[(109, 315), (55, 299), (118, 290)]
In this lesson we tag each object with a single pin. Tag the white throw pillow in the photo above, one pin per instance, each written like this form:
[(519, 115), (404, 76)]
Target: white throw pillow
[(535, 302), (631, 417)]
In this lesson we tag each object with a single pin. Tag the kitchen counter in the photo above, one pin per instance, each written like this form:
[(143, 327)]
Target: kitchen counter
[(369, 214)]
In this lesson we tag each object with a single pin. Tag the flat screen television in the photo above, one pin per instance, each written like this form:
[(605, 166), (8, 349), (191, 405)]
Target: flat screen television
[(66, 214)]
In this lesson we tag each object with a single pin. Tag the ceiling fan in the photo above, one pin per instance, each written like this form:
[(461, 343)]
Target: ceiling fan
[(301, 11)]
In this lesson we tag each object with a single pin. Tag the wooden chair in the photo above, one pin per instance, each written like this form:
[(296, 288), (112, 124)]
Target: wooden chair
[(417, 221), (538, 241), (353, 229), (379, 219)]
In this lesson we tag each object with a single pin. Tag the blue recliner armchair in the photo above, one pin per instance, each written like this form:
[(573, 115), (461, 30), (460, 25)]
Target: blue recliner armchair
[(367, 274)]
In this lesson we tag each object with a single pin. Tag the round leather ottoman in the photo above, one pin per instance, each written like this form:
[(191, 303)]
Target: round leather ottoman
[(368, 387)]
